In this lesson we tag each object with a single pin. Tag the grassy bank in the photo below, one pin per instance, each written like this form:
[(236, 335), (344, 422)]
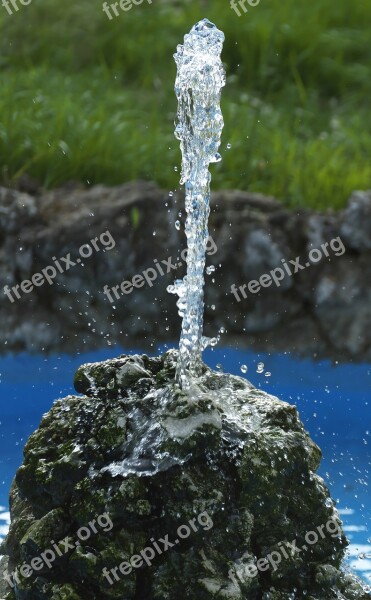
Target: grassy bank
[(91, 99)]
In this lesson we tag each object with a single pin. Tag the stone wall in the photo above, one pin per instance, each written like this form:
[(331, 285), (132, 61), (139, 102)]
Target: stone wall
[(323, 309)]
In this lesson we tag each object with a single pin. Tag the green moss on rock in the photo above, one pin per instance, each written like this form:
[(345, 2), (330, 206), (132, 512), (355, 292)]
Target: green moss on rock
[(225, 463)]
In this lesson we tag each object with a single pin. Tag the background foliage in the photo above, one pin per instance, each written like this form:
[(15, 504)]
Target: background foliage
[(90, 99)]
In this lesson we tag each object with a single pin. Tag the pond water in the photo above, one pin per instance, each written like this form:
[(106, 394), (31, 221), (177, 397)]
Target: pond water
[(334, 402)]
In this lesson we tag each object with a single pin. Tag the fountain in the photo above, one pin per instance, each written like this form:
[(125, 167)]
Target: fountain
[(200, 77), (220, 473)]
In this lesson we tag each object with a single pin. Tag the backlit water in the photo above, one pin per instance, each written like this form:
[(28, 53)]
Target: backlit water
[(200, 78)]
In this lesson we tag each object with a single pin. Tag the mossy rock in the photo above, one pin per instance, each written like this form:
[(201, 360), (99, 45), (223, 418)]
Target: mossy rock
[(144, 491)]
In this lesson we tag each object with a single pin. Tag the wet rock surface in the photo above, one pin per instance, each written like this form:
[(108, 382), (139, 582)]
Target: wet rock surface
[(140, 458), (323, 309)]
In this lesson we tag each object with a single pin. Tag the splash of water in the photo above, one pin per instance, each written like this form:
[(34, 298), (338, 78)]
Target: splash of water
[(200, 77)]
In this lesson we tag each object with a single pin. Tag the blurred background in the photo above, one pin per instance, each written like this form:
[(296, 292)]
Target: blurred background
[(91, 99), (87, 111)]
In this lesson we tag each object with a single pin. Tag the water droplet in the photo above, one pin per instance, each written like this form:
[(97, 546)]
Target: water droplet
[(229, 146), (177, 225), (244, 368), (210, 269), (213, 307), (171, 194), (268, 374), (260, 368), (222, 330)]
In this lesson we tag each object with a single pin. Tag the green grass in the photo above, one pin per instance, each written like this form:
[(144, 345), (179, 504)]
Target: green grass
[(90, 99)]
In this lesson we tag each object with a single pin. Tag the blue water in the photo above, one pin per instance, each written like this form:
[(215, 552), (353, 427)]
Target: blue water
[(333, 400)]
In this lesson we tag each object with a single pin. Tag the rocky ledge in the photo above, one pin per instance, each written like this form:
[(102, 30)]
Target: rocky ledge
[(323, 309), (137, 490)]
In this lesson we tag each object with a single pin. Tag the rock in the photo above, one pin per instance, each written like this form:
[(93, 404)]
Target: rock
[(262, 254), (17, 209), (138, 490), (251, 234), (355, 227), (343, 304)]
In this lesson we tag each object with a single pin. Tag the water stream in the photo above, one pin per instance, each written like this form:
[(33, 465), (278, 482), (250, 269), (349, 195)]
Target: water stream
[(200, 77)]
